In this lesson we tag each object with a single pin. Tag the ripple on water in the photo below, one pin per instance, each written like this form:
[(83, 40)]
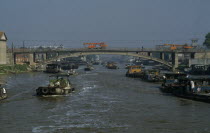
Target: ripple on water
[(69, 127)]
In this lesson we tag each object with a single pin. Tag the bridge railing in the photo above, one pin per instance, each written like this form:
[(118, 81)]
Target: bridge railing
[(24, 50)]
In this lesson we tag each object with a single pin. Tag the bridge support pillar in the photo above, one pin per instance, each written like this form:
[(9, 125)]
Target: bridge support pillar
[(162, 55), (34, 55), (14, 57), (149, 53), (44, 56), (57, 54), (31, 59), (175, 60)]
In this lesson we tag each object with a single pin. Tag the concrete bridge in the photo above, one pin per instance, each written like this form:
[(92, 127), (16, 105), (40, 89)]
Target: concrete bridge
[(76, 54), (43, 56)]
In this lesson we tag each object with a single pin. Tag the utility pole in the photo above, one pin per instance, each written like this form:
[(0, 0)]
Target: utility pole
[(12, 47), (23, 46)]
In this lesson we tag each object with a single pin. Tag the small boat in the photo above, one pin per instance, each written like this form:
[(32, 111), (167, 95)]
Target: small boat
[(134, 72), (3, 92), (58, 85), (72, 72), (96, 62), (88, 68), (112, 65)]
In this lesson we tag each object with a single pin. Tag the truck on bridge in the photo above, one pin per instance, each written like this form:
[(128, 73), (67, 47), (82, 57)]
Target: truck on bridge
[(175, 46), (101, 45)]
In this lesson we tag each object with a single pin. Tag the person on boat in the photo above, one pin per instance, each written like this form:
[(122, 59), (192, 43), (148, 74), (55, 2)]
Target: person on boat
[(63, 82), (192, 86), (198, 90), (57, 83), (3, 92)]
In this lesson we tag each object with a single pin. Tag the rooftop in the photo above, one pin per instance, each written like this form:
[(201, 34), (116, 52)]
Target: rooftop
[(3, 36)]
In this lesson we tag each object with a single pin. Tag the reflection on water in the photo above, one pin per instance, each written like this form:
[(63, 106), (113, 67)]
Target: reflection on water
[(104, 101)]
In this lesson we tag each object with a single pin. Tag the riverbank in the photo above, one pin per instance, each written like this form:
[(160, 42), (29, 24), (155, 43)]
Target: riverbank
[(17, 68)]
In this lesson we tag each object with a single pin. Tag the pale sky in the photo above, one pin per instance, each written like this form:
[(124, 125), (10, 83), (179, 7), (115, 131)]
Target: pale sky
[(120, 23)]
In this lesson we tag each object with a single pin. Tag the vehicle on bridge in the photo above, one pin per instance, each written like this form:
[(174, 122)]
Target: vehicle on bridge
[(3, 92), (177, 46), (58, 85), (101, 45)]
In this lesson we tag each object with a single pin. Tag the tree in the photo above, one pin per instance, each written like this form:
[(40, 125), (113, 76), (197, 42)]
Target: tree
[(207, 40)]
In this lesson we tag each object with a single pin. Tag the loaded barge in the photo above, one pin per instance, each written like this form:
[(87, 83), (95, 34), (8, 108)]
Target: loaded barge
[(58, 85), (152, 75), (194, 88), (134, 72)]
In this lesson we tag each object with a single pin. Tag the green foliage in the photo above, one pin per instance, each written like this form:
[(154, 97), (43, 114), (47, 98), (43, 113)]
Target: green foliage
[(13, 68), (207, 40)]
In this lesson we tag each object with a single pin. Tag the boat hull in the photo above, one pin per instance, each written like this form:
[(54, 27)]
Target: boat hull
[(52, 91)]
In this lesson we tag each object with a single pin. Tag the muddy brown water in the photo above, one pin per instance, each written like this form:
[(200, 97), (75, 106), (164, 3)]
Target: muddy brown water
[(105, 101)]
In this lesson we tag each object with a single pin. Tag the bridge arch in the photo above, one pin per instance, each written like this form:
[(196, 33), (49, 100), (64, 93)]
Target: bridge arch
[(76, 54)]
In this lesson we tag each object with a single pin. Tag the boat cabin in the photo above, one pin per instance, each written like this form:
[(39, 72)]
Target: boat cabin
[(196, 84), (53, 68), (134, 69)]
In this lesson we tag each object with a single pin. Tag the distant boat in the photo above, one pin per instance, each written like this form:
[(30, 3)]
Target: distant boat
[(112, 65), (89, 68), (3, 92), (53, 68)]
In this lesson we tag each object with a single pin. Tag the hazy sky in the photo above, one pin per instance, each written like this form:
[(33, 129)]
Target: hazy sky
[(118, 22)]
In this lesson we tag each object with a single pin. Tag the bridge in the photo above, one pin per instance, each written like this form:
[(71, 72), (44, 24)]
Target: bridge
[(49, 55)]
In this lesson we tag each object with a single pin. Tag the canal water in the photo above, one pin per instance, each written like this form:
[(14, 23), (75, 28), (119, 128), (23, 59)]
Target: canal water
[(105, 101)]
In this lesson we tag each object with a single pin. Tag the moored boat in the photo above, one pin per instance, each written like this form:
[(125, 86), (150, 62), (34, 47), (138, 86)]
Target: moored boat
[(88, 68), (58, 85), (134, 72), (152, 75), (194, 88), (3, 92), (169, 80), (112, 65)]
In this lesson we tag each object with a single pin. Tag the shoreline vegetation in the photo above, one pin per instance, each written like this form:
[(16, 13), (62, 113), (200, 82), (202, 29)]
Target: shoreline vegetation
[(13, 69)]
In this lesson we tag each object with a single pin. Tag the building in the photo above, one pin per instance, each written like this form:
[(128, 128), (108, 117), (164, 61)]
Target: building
[(3, 48)]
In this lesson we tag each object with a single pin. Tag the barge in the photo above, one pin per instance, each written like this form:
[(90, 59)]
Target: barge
[(169, 80), (152, 75), (134, 72), (193, 88), (58, 85)]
